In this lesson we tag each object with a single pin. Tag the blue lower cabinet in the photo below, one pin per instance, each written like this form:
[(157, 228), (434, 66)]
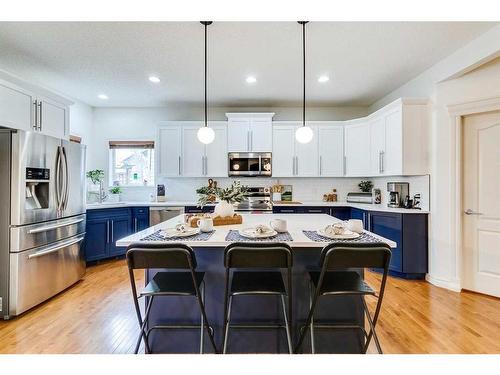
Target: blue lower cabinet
[(106, 226), (342, 213), (409, 231), (359, 214), (287, 210), (140, 218), (198, 210)]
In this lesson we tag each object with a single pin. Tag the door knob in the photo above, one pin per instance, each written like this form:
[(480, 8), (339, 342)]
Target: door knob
[(470, 212)]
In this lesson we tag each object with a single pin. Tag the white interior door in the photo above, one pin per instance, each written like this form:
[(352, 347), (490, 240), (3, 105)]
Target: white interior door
[(481, 216)]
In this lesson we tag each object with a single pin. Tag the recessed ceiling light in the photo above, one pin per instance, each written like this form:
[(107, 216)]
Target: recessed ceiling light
[(323, 79), (103, 96), (251, 79), (154, 79)]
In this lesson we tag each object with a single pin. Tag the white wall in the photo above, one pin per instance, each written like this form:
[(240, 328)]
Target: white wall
[(478, 84)]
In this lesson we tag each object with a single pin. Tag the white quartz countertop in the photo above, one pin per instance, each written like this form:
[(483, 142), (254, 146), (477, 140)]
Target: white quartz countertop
[(100, 206), (362, 206), (296, 223)]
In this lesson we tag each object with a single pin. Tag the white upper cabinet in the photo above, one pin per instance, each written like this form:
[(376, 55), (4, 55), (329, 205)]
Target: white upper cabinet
[(283, 162), (291, 158), (32, 109), (216, 162), (331, 149), (168, 151), (15, 108), (181, 154), (250, 132), (193, 152), (357, 148), (399, 139), (53, 118)]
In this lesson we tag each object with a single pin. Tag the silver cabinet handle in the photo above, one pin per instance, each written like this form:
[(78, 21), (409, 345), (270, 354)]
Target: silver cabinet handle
[(251, 140), (470, 212), (55, 226), (320, 165), (112, 231), (107, 231), (55, 248), (382, 153), (206, 165), (345, 165), (296, 165), (287, 211), (179, 165), (40, 116), (135, 224), (35, 115), (380, 162), (203, 166), (248, 140)]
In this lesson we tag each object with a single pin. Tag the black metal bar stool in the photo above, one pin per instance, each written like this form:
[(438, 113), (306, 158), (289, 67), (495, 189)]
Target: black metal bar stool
[(335, 280), (173, 256), (262, 264)]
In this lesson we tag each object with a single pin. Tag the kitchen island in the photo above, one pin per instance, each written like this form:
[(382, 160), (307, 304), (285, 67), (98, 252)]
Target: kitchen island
[(209, 256)]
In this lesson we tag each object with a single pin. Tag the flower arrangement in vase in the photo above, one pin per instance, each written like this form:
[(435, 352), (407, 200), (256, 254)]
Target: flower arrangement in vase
[(235, 193)]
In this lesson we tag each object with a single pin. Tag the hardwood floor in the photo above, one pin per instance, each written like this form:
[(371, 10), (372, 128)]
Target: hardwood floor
[(97, 316)]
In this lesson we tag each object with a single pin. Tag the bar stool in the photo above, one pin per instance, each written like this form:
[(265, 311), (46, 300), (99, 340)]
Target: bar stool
[(173, 256), (262, 264), (335, 280)]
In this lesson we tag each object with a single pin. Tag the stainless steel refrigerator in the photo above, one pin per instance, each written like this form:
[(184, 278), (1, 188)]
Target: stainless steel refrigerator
[(42, 218)]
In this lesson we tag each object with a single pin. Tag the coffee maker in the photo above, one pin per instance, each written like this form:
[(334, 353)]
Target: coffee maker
[(398, 191)]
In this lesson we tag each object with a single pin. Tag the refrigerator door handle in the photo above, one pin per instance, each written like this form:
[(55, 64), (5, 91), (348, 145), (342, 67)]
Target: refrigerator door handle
[(58, 178), (66, 180)]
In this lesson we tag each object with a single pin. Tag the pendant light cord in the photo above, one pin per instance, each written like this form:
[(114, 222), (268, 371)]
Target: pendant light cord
[(303, 23), (206, 116)]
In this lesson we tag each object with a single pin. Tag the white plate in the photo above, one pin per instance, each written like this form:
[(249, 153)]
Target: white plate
[(250, 233), (171, 232), (348, 235)]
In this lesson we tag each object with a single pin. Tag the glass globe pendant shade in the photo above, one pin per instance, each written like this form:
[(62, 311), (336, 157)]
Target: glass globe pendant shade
[(206, 135), (304, 134)]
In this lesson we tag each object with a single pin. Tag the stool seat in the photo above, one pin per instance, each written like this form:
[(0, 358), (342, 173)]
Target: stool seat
[(257, 283), (173, 283), (341, 282)]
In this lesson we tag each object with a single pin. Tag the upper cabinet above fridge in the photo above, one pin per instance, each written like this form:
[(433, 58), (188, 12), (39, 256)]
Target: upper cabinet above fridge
[(26, 107), (250, 132)]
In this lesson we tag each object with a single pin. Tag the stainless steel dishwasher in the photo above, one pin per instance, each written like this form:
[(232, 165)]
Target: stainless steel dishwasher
[(159, 214)]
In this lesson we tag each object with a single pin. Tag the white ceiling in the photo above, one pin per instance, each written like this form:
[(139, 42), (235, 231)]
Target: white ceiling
[(365, 60)]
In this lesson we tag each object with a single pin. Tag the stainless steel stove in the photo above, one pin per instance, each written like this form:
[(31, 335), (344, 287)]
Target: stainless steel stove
[(258, 199)]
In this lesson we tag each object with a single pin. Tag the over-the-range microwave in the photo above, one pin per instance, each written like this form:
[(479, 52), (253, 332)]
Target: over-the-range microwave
[(250, 164)]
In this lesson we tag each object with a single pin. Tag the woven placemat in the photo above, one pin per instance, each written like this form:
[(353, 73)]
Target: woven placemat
[(314, 236), (159, 236), (234, 236)]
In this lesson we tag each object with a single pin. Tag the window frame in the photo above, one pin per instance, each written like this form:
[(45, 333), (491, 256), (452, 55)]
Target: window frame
[(134, 143)]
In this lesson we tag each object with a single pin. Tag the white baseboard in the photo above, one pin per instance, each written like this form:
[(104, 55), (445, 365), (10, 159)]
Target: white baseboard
[(442, 283)]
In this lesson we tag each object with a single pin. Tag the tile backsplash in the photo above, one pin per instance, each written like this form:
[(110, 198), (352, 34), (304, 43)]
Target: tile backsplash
[(304, 189)]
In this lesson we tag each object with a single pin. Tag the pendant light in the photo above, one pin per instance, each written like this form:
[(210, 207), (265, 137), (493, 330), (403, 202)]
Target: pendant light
[(304, 134), (206, 134)]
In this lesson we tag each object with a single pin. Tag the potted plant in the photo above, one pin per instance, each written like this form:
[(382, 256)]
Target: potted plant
[(115, 192), (365, 186), (235, 193)]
